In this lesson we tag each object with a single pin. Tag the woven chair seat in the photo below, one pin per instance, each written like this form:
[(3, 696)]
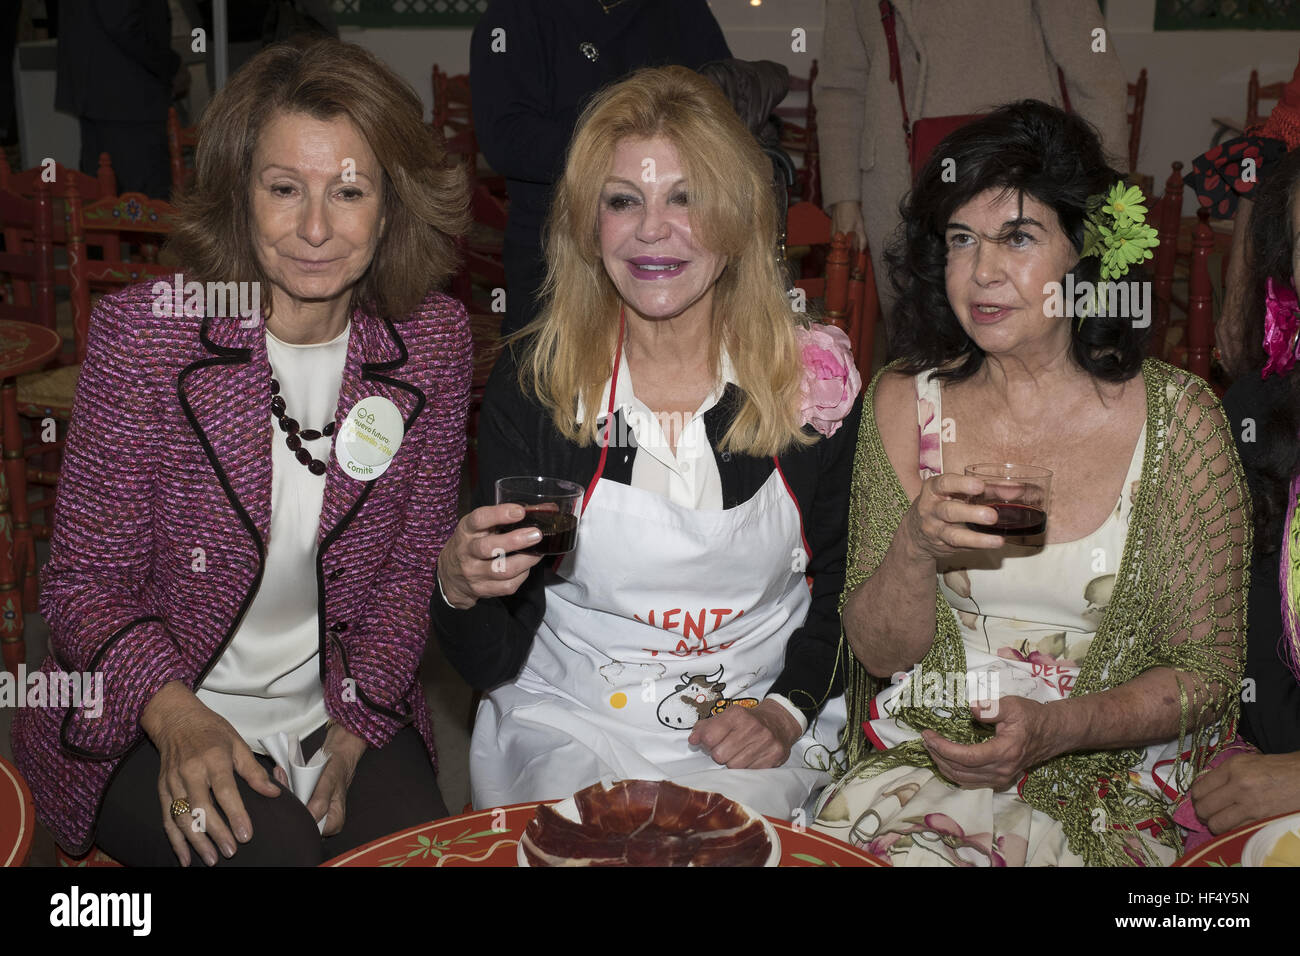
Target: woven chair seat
[(48, 392)]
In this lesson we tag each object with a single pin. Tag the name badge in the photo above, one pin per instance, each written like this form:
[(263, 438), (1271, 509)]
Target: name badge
[(369, 438)]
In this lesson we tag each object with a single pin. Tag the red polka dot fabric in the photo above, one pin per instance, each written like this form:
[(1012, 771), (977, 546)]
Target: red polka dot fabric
[(1222, 175)]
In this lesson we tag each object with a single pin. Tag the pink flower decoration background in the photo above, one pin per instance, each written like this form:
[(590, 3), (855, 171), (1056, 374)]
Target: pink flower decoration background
[(831, 382)]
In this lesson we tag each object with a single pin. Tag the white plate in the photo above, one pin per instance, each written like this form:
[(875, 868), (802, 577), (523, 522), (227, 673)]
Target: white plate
[(569, 810), (1261, 844)]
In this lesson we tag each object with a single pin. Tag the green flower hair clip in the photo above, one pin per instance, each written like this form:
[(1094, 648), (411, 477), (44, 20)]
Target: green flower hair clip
[(1116, 231)]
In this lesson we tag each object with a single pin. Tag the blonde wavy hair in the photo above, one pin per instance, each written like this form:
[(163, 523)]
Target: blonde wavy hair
[(570, 345)]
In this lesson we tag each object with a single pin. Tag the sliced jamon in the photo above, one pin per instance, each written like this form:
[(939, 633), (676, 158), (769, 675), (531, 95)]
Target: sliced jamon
[(678, 808), (647, 823), (747, 846), (623, 808), (555, 835)]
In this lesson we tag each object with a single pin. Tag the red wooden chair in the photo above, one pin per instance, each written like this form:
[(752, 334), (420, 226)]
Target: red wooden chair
[(60, 179), (181, 141), (848, 288), (28, 225), (27, 342), (1255, 93), (799, 137), (1183, 256), (47, 395), (1138, 91)]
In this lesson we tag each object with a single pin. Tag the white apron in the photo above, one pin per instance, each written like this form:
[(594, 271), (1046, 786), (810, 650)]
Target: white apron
[(661, 615)]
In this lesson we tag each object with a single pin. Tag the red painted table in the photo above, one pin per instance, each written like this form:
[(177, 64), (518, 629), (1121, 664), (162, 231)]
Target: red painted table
[(17, 816), (491, 838), (1226, 848), (24, 347)]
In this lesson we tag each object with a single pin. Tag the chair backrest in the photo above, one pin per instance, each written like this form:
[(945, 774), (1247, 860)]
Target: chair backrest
[(129, 217), (1200, 299), (807, 225), (58, 179), (1168, 216), (1138, 91), (848, 293), (178, 139), (453, 114), (1255, 93), (28, 259)]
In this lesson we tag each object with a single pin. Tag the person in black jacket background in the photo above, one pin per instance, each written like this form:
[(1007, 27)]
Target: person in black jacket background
[(1263, 410), (533, 65), (116, 73)]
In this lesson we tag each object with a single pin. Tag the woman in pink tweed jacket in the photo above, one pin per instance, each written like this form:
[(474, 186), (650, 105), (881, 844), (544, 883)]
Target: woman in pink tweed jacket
[(164, 518)]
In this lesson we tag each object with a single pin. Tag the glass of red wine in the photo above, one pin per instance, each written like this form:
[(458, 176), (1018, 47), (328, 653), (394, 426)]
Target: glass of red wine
[(551, 505), (1020, 494)]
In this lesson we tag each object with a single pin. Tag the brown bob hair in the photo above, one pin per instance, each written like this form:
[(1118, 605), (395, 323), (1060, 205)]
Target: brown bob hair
[(426, 202)]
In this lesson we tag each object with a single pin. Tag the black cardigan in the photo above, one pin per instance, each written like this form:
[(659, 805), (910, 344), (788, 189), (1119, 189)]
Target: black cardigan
[(1271, 720), (489, 642)]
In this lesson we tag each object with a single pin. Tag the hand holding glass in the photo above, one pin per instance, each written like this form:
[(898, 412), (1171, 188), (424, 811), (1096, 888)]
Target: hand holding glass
[(1020, 494), (550, 505)]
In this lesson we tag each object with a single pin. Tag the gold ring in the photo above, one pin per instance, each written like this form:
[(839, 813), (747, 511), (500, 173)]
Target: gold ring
[(180, 807)]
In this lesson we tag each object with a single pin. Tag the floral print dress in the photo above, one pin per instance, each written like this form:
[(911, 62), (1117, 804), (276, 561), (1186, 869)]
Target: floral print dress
[(1027, 616)]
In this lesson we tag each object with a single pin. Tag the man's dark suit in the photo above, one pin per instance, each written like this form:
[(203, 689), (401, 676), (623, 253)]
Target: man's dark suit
[(115, 74)]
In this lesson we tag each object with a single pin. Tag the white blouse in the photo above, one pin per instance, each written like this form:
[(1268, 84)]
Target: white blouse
[(687, 477), (268, 678)]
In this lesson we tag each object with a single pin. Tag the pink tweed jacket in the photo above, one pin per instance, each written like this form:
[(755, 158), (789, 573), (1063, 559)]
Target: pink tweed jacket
[(164, 508)]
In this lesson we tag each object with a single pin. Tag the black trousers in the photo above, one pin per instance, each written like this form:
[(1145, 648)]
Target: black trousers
[(139, 152), (392, 789)]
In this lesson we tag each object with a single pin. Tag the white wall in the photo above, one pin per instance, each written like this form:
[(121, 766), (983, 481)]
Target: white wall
[(1192, 76)]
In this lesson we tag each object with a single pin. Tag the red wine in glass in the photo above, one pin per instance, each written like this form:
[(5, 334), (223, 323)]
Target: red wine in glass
[(559, 530), (1013, 519)]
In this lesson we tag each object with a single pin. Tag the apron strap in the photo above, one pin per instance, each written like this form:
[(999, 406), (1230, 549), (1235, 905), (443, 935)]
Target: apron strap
[(802, 537), (609, 411)]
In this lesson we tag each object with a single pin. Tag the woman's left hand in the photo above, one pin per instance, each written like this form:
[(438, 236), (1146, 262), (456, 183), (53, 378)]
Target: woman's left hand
[(329, 799), (1247, 788), (1023, 739), (748, 738)]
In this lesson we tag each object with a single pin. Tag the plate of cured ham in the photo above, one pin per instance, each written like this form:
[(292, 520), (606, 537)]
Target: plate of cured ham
[(648, 823)]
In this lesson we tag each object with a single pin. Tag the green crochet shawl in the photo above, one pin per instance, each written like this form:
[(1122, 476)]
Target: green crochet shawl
[(1179, 601)]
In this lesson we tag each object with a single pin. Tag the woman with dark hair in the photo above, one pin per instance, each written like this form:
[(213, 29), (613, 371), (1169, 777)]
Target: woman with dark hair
[(1071, 683), (250, 513), (1263, 408)]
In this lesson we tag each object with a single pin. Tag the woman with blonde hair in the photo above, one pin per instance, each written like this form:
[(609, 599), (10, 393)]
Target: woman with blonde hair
[(693, 627)]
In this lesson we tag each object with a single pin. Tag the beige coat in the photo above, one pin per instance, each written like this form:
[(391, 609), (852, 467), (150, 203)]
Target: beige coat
[(958, 57)]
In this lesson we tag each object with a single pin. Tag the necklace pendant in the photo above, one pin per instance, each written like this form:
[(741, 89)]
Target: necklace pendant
[(590, 51)]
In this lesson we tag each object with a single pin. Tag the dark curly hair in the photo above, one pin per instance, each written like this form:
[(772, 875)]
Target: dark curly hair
[(1030, 148), (1276, 454)]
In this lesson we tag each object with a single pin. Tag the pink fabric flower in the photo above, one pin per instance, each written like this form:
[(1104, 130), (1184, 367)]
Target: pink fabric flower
[(1280, 322), (830, 378)]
